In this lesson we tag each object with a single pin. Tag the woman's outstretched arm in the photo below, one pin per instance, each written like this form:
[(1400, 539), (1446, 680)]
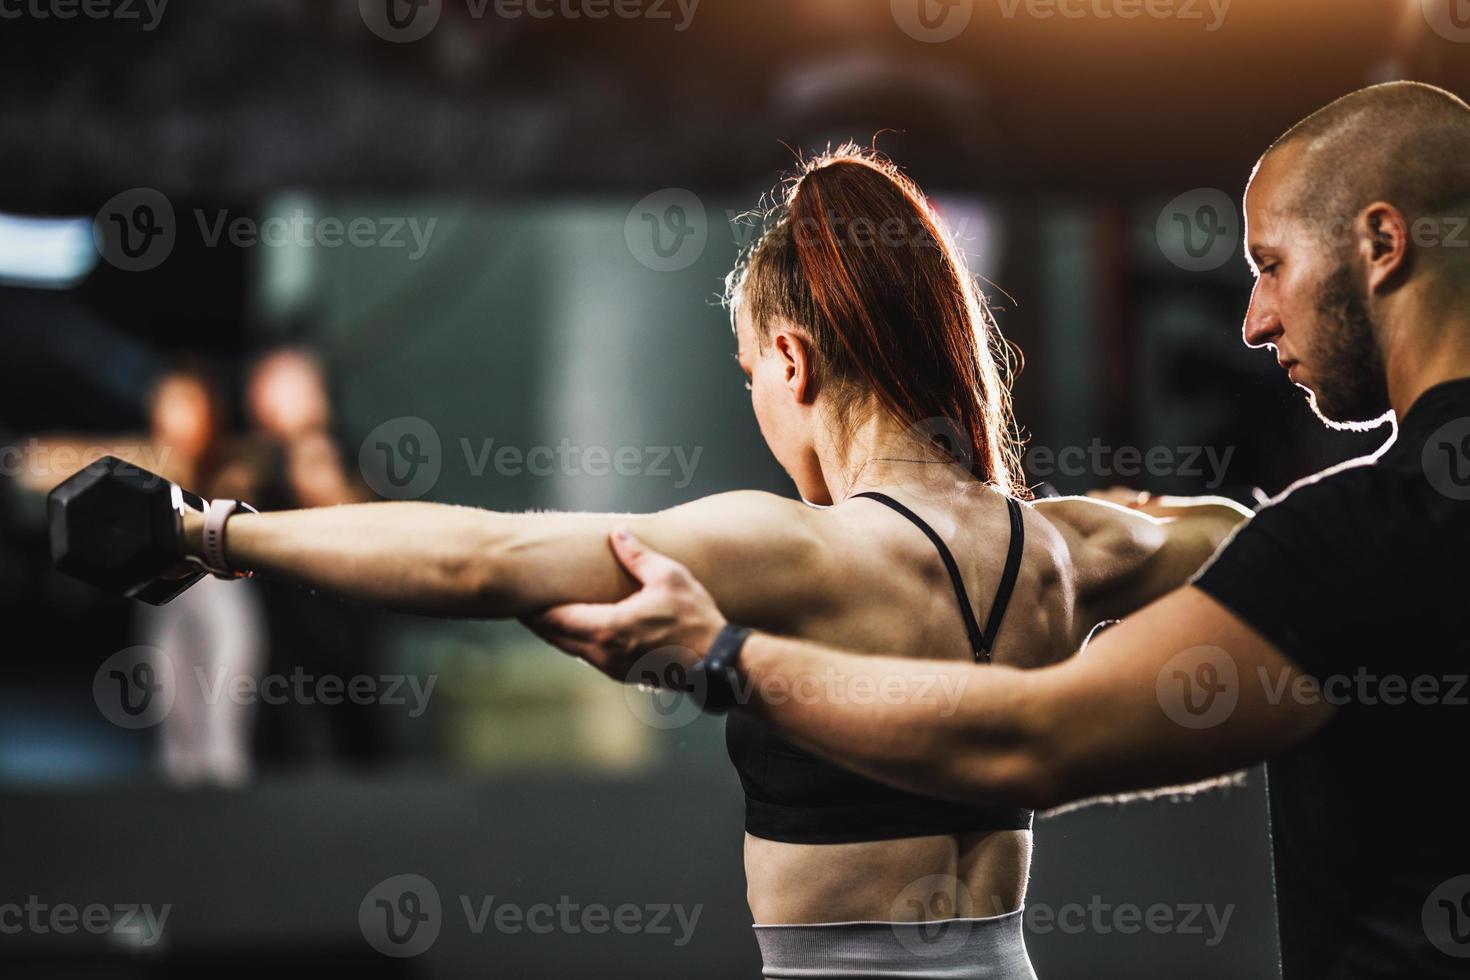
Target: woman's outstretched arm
[(755, 550)]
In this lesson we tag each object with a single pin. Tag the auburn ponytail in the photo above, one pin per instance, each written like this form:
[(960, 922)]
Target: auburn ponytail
[(856, 257)]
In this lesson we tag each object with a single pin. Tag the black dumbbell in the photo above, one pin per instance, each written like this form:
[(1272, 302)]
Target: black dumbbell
[(121, 528)]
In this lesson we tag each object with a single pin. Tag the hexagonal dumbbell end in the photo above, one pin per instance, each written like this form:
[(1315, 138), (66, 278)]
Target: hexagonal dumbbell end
[(120, 528)]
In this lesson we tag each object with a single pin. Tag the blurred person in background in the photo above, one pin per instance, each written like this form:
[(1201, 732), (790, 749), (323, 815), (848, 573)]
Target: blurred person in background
[(288, 406), (215, 636), (287, 401)]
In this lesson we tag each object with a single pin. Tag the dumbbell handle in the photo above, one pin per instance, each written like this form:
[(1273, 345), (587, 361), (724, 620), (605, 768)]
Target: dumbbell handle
[(165, 589)]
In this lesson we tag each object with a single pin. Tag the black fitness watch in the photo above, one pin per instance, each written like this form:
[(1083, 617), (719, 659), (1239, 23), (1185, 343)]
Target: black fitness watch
[(717, 677)]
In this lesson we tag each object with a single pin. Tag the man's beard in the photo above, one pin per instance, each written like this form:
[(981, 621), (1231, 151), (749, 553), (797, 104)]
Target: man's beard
[(1351, 390)]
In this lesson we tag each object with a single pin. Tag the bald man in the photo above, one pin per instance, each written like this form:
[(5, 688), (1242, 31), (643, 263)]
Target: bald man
[(1330, 636)]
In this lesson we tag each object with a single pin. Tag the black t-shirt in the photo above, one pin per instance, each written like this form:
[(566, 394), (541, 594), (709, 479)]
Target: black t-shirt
[(1360, 577)]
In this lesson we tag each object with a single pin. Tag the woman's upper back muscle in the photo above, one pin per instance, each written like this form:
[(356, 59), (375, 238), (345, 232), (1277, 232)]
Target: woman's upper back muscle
[(862, 577)]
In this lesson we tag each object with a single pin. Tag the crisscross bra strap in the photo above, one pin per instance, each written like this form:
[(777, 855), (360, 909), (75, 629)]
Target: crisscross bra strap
[(980, 640)]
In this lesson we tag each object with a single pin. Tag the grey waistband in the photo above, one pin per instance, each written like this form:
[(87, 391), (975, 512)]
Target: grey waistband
[(955, 949)]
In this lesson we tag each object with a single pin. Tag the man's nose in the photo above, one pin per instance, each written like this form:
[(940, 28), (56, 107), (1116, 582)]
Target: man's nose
[(1262, 324)]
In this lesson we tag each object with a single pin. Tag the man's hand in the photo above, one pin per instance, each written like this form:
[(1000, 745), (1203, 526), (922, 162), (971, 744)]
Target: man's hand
[(672, 619), (1122, 496)]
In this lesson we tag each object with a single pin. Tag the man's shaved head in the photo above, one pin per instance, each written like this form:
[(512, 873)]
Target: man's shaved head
[(1405, 143)]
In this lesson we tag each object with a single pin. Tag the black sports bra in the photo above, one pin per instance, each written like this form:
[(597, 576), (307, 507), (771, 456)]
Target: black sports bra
[(799, 798)]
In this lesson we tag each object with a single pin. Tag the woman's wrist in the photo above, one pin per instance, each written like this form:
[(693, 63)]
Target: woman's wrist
[(193, 533)]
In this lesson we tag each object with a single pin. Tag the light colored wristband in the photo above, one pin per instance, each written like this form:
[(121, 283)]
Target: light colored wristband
[(215, 518)]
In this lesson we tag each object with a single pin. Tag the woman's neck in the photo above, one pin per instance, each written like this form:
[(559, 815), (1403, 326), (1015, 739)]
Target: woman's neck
[(880, 453)]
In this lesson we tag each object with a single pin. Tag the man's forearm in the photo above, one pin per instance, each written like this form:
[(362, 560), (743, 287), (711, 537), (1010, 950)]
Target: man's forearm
[(1115, 721), (935, 727)]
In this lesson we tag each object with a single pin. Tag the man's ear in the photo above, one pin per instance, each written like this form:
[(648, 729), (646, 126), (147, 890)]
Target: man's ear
[(795, 352), (1383, 234)]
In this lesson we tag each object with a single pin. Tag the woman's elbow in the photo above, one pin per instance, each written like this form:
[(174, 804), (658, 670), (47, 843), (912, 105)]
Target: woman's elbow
[(473, 573)]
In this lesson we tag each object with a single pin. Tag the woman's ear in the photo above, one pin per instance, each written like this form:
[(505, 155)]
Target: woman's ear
[(795, 352)]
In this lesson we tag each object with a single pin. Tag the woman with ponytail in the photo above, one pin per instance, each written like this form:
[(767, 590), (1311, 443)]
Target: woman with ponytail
[(879, 382)]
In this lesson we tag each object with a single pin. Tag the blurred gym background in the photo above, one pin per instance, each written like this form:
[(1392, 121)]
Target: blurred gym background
[(315, 252)]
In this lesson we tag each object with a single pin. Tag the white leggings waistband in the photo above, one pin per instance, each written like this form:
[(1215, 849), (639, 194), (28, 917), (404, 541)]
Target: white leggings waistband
[(954, 949)]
